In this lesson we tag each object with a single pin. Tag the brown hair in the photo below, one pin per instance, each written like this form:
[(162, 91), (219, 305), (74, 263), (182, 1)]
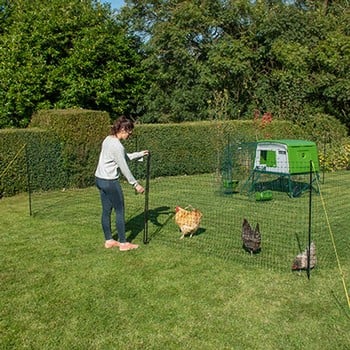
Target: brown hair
[(122, 123)]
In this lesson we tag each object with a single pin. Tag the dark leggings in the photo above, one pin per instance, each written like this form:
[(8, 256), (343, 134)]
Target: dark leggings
[(112, 198)]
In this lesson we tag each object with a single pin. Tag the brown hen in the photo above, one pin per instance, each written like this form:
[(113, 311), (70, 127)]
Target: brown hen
[(251, 238), (188, 219)]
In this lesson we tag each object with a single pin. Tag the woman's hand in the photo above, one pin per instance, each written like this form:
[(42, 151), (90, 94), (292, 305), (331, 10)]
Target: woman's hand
[(146, 152), (139, 189)]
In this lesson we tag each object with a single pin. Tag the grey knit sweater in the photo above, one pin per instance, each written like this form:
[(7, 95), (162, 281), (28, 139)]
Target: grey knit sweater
[(113, 161)]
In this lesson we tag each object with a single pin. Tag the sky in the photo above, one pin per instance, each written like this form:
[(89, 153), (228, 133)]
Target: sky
[(115, 4)]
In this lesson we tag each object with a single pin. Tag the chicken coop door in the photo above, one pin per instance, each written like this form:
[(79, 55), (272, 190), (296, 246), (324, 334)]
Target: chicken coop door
[(268, 158), (271, 158)]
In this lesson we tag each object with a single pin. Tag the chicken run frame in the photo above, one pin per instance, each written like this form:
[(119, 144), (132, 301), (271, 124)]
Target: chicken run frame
[(286, 160)]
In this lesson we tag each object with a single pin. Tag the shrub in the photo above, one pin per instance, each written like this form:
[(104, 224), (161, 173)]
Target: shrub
[(66, 153), (33, 155), (331, 138), (81, 133), (196, 147)]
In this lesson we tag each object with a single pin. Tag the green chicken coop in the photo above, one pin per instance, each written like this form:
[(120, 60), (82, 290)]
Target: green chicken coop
[(286, 159)]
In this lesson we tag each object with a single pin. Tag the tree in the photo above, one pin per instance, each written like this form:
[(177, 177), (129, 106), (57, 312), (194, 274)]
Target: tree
[(165, 61), (174, 43), (65, 53), (263, 54)]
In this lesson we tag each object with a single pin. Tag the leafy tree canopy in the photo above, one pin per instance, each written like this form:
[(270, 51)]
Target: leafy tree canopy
[(65, 53), (176, 60), (288, 58)]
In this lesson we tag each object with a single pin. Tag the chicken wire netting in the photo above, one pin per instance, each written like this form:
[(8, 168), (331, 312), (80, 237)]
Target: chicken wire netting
[(285, 208), (283, 222), (279, 203)]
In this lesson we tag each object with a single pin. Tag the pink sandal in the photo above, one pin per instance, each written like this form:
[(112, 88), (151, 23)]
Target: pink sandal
[(111, 244), (127, 246)]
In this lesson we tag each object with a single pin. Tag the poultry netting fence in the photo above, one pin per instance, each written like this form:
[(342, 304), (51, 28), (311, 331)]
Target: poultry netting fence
[(283, 221), (290, 210), (287, 224)]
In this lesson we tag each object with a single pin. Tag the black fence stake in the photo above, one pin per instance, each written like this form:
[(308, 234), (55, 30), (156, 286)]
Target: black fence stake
[(148, 170), (28, 181), (310, 214)]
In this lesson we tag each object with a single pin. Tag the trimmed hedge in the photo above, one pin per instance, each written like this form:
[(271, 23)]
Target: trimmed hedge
[(197, 147), (30, 154), (64, 151), (80, 132)]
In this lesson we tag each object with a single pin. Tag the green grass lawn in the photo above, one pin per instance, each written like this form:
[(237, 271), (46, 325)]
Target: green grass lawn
[(61, 289)]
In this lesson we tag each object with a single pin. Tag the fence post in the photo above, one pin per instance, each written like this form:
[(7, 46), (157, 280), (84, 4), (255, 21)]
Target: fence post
[(310, 221), (146, 213), (29, 188)]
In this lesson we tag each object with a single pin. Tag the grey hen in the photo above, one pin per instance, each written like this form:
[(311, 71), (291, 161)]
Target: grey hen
[(300, 261), (251, 238)]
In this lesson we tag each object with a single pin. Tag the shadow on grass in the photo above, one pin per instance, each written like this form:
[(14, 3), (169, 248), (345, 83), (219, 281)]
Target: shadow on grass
[(136, 224), (340, 304), (292, 187), (200, 231)]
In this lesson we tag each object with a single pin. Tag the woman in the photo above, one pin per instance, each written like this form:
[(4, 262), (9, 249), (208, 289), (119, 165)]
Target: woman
[(113, 161)]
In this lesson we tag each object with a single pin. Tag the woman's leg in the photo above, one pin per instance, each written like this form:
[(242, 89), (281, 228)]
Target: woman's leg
[(103, 186), (118, 204), (112, 197)]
